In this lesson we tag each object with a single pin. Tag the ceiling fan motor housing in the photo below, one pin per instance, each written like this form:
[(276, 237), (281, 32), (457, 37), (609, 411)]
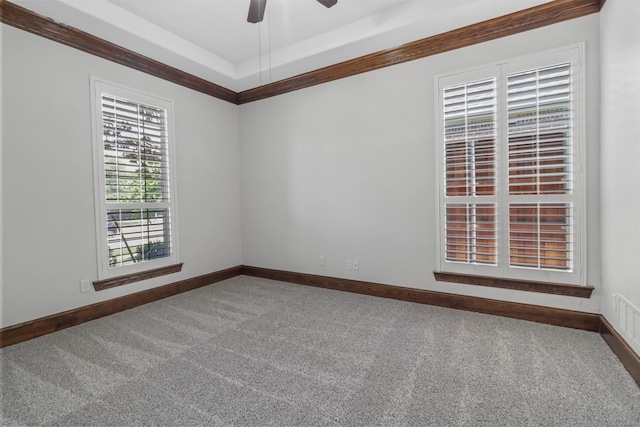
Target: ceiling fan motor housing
[(257, 7)]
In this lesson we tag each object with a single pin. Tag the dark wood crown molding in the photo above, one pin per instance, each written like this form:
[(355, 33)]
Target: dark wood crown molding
[(507, 25), (24, 19), (539, 16)]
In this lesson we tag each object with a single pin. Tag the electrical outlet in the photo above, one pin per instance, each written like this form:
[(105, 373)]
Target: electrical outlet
[(322, 260), (85, 285), (348, 264), (355, 264)]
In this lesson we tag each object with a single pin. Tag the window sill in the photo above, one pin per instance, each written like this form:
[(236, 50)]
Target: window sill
[(520, 285), (100, 285)]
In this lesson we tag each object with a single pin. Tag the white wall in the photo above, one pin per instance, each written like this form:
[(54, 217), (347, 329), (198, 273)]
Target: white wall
[(346, 170), (48, 204), (620, 135), (341, 170), (1, 186)]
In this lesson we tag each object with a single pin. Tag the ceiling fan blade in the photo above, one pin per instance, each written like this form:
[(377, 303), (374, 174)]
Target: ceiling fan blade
[(328, 3), (256, 11)]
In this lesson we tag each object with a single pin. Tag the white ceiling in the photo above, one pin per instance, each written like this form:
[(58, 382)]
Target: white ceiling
[(213, 40)]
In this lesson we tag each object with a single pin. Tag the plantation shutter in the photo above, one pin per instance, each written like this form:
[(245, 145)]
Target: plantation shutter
[(136, 168), (510, 183), (135, 151), (540, 168), (540, 139), (470, 213)]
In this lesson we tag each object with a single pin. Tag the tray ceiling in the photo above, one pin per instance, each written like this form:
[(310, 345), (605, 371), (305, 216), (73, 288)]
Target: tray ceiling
[(212, 39)]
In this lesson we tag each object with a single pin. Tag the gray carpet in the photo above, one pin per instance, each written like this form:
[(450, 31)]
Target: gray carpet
[(254, 352)]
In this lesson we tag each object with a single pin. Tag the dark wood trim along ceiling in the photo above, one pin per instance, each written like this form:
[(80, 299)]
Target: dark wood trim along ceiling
[(525, 20), (528, 19), (507, 25), (29, 21)]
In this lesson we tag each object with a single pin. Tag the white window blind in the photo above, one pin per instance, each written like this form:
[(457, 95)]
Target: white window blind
[(136, 207), (508, 173), (540, 145), (135, 151), (540, 139), (470, 172), (471, 233), (540, 235), (136, 173)]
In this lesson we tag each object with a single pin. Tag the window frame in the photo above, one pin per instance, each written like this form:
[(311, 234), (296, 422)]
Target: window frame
[(105, 271), (500, 70)]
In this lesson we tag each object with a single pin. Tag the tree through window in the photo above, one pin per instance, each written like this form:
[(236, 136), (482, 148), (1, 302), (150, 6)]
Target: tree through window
[(135, 184)]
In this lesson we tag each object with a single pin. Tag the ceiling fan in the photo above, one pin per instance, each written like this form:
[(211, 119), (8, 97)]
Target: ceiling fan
[(256, 9)]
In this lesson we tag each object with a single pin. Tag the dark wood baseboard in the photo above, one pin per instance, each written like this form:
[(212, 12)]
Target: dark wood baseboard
[(535, 313), (56, 322), (629, 358), (553, 316)]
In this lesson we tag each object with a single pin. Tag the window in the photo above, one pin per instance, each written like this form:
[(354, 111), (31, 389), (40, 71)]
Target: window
[(135, 195), (510, 184)]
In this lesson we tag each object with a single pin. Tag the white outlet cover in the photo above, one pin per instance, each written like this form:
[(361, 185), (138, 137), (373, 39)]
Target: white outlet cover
[(85, 285)]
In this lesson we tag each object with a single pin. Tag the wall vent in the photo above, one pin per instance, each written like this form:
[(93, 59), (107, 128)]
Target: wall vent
[(628, 319)]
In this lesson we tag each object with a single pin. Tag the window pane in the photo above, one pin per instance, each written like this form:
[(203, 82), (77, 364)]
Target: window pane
[(470, 139), (471, 233), (540, 131), (136, 235), (540, 235), (135, 152)]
